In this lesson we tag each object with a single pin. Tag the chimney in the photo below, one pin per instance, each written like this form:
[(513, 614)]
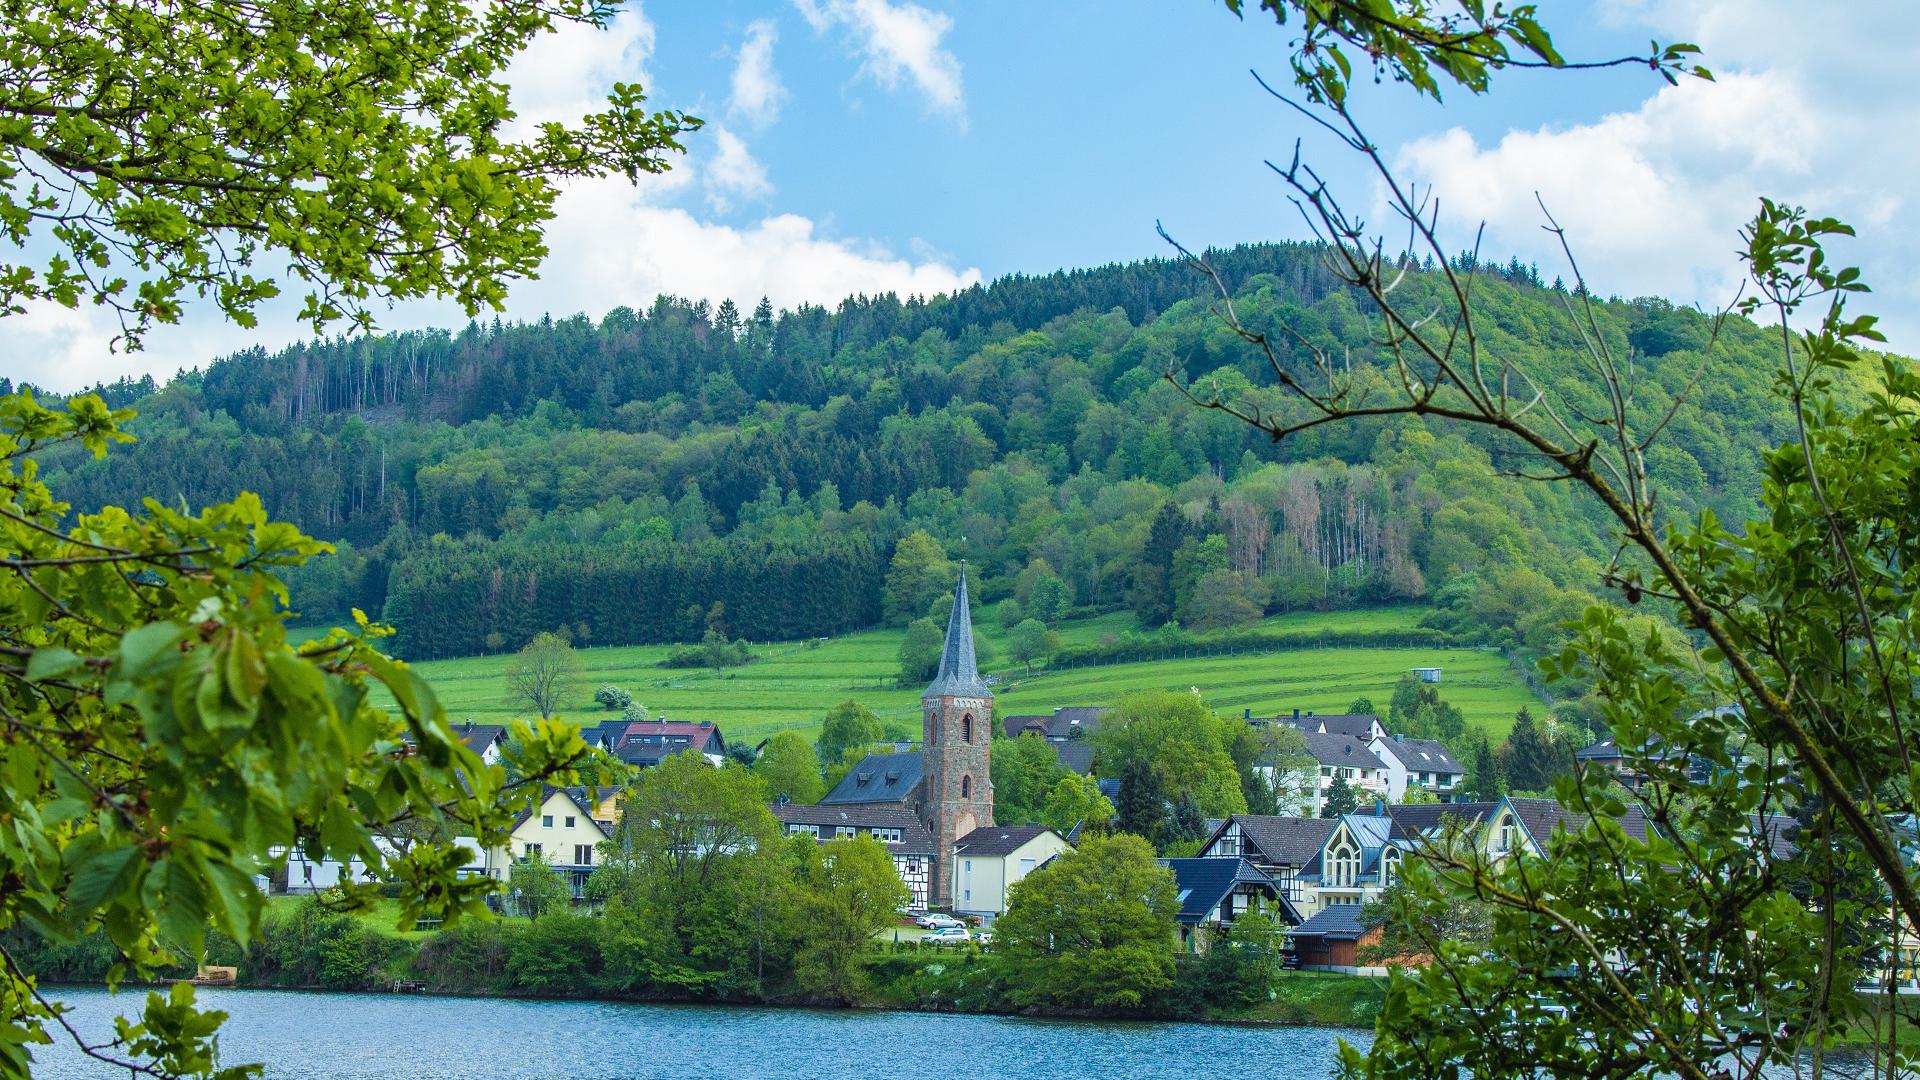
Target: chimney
[(1399, 738), (1309, 714), (1379, 808), (1296, 714), (1246, 714)]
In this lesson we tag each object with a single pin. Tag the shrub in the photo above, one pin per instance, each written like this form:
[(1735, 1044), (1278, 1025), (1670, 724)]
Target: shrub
[(557, 954)]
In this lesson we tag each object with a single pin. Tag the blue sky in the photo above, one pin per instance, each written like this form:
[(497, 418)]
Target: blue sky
[(864, 145)]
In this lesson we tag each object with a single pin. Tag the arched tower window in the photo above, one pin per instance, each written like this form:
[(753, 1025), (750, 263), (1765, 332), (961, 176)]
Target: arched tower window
[(966, 787), (966, 728)]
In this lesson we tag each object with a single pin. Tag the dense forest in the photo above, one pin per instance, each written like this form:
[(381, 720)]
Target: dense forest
[(814, 470)]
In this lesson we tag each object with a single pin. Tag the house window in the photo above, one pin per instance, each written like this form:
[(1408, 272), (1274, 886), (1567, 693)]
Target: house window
[(1026, 866), (1389, 866), (848, 831), (1343, 862), (966, 728), (1507, 836), (583, 854), (546, 821), (1325, 771), (966, 787), (569, 821), (886, 836), (533, 851), (810, 830), (1229, 844)]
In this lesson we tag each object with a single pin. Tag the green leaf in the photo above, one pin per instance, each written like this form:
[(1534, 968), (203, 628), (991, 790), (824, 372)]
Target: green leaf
[(51, 662), (99, 877)]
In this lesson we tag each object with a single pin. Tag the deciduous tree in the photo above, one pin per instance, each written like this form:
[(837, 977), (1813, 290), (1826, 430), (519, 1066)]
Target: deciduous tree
[(542, 675), (1092, 929)]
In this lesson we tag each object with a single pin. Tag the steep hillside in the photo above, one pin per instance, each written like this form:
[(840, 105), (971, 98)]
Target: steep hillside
[(653, 475)]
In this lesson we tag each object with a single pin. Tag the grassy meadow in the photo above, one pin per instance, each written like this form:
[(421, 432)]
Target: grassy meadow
[(793, 684)]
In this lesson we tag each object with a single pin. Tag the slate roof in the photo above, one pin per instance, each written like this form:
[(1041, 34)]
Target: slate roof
[(1411, 820), (999, 839), (1336, 921), (1204, 883), (1060, 725), (479, 736), (1542, 816), (651, 741), (1111, 789), (1422, 755), (1354, 725), (914, 837), (959, 673), (879, 778), (1282, 841), (1341, 751), (1781, 830), (1076, 754)]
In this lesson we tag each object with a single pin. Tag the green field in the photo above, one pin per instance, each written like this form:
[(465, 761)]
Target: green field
[(793, 684)]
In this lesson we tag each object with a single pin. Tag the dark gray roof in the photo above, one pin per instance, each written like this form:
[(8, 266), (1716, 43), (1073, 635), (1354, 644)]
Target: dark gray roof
[(1062, 724), (479, 736), (879, 778), (998, 839), (1204, 883), (1423, 755), (1542, 816), (914, 837), (1076, 754), (1357, 725), (1412, 820), (1781, 830), (1110, 788), (959, 674), (1340, 750), (1281, 841), (1340, 921)]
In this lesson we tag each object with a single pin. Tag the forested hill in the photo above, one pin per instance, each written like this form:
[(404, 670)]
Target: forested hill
[(814, 470)]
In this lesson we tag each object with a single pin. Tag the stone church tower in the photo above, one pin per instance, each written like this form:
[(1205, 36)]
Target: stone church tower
[(957, 793)]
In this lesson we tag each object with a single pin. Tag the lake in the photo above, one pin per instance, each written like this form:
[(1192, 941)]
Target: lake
[(400, 1037)]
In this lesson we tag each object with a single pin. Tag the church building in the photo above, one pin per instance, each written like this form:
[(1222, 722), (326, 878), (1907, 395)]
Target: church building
[(946, 785)]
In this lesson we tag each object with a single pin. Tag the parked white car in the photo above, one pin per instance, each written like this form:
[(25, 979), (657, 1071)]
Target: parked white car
[(936, 920), (949, 935)]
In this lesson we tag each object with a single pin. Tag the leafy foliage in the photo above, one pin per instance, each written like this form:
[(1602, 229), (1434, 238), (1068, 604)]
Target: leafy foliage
[(1091, 929)]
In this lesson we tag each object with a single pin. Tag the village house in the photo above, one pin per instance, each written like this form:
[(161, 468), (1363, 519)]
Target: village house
[(487, 740), (1332, 938), (1365, 727), (301, 875), (1213, 892), (1418, 763), (1526, 826), (1336, 756), (907, 840), (989, 860), (1280, 846), (561, 830), (1068, 730), (646, 743)]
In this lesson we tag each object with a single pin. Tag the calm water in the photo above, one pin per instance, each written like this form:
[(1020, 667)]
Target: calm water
[(389, 1037)]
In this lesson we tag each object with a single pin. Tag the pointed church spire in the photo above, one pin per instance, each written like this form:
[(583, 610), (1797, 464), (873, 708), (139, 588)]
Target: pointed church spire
[(959, 673)]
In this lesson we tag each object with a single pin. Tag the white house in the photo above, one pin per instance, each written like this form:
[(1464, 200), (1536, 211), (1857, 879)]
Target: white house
[(1418, 763), (309, 875), (561, 830), (987, 861), (1338, 757)]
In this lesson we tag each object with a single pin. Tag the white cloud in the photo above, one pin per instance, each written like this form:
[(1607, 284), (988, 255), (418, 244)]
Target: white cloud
[(899, 42), (733, 172), (1653, 198), (667, 249), (757, 93), (565, 75)]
